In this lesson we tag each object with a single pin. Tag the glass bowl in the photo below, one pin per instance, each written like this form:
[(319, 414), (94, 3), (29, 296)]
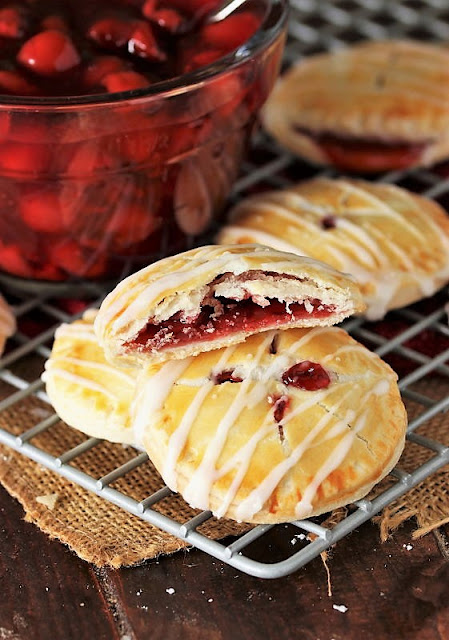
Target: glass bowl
[(93, 187)]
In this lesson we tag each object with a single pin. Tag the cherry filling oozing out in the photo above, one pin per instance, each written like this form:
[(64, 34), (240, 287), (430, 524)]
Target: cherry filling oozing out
[(244, 315), (366, 154), (54, 48), (306, 375)]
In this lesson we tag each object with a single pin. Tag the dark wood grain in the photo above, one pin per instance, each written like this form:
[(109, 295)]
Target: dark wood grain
[(397, 590), (46, 591), (390, 591)]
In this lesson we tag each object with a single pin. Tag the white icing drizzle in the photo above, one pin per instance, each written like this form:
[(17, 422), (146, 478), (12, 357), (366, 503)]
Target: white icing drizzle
[(258, 497), (367, 252), (179, 436), (101, 367), (151, 396), (56, 372), (234, 232), (304, 506), (124, 305), (198, 490), (242, 461)]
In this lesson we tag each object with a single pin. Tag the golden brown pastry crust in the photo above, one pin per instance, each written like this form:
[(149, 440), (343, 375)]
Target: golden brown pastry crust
[(87, 392), (395, 243), (389, 91), (7, 323), (188, 282), (225, 431)]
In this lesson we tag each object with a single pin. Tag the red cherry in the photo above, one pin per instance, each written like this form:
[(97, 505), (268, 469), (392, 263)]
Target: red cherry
[(124, 81), (137, 147), (223, 96), (24, 158), (231, 32), (40, 210), (111, 32), (226, 376), (49, 52), (195, 7), (201, 59), (280, 406), (54, 22), (165, 17), (12, 260), (92, 158), (25, 128), (130, 224), (143, 43), (69, 256), (12, 23), (101, 67), (48, 272), (12, 83), (5, 122), (306, 375), (328, 222)]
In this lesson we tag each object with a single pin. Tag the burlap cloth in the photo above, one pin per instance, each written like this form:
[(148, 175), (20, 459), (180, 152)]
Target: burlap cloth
[(104, 534)]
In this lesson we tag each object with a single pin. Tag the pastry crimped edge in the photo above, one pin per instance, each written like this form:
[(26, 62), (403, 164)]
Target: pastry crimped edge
[(419, 122), (390, 429), (126, 310), (403, 285), (85, 402)]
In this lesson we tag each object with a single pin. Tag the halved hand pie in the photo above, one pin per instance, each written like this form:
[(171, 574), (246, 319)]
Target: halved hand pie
[(395, 243), (214, 296), (375, 106), (86, 391), (287, 425)]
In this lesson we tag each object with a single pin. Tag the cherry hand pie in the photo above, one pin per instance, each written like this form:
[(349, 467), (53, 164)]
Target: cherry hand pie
[(286, 425), (86, 391), (375, 106), (215, 296), (395, 243)]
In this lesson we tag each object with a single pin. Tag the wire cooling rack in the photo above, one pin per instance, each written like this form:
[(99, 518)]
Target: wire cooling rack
[(414, 340)]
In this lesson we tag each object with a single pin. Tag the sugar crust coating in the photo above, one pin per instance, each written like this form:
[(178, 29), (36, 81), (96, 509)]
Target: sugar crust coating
[(220, 444)]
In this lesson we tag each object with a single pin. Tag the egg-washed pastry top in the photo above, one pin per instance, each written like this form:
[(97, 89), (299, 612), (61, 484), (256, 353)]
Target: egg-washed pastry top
[(215, 296), (286, 425), (374, 106), (86, 391), (395, 243)]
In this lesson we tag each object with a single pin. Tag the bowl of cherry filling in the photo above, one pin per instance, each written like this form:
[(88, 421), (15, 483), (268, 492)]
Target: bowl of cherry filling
[(123, 124)]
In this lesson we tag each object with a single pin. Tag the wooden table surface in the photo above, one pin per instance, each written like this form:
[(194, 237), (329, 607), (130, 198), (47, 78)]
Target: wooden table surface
[(396, 590)]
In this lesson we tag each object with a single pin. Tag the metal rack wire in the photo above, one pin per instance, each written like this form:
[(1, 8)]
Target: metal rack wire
[(315, 25)]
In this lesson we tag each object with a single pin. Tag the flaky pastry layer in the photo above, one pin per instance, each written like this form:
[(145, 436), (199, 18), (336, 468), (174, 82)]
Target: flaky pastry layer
[(214, 296)]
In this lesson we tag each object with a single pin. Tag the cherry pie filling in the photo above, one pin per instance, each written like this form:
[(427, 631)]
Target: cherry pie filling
[(366, 154), (235, 316), (85, 189)]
